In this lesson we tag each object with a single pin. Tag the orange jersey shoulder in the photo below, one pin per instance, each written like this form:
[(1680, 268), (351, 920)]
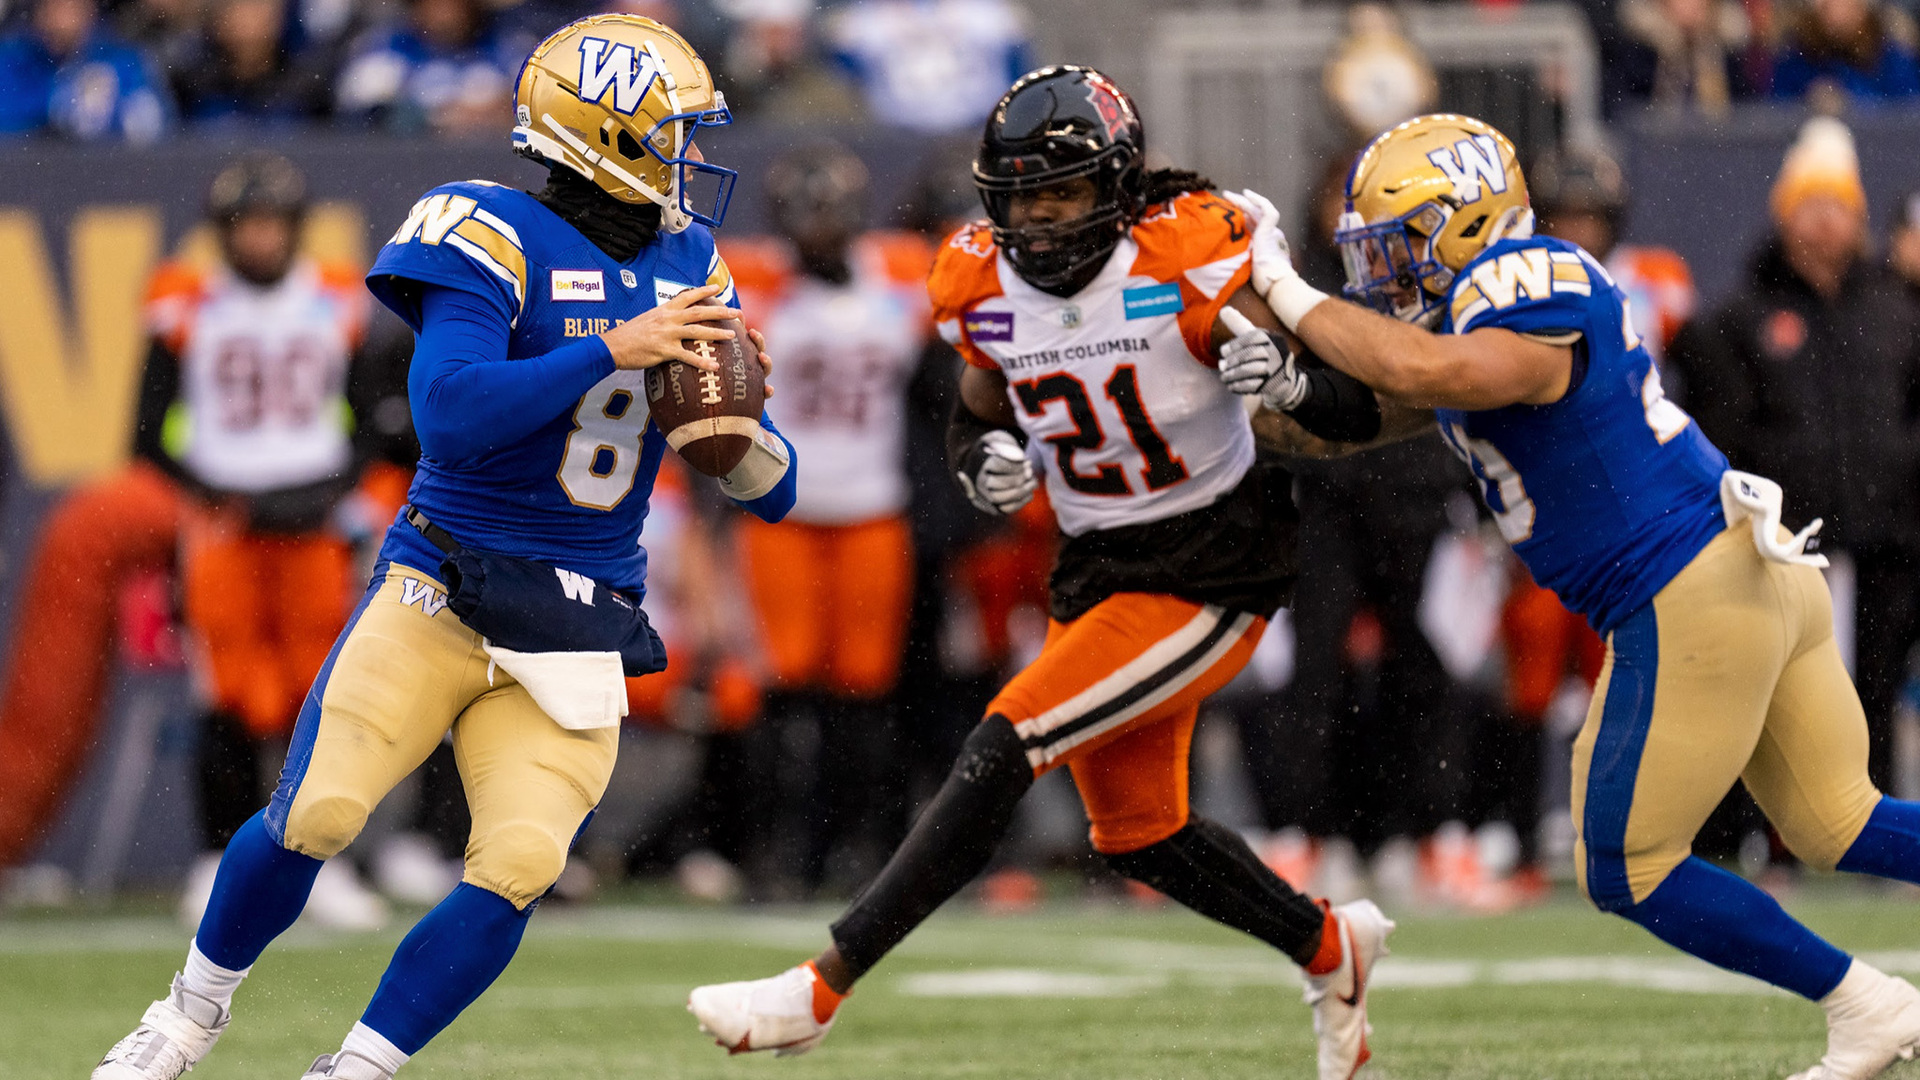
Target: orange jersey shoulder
[(965, 272), (347, 284), (174, 293), (762, 268), (905, 258), (1199, 240)]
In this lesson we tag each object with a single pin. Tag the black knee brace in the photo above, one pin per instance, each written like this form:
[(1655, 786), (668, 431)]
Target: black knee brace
[(951, 842), (1210, 869)]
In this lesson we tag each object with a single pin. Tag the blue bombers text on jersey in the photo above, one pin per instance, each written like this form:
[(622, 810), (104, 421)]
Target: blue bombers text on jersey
[(566, 485), (1608, 492)]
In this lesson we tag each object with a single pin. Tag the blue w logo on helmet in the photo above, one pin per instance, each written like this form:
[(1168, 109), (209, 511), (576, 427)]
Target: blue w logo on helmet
[(629, 73), (1470, 163)]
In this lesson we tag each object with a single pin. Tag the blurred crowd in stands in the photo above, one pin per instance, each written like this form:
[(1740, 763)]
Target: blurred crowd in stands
[(1410, 723), (140, 69)]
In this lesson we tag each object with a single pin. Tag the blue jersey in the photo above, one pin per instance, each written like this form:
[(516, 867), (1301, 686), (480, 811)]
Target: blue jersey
[(562, 470), (1608, 492)]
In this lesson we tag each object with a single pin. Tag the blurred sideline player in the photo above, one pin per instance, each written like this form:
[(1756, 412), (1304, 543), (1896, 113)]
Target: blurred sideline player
[(534, 314), (1721, 663), (1580, 196), (832, 583), (1090, 312), (111, 534), (711, 691), (244, 404)]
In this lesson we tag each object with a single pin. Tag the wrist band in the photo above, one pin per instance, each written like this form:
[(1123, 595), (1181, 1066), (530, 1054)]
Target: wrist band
[(1291, 298)]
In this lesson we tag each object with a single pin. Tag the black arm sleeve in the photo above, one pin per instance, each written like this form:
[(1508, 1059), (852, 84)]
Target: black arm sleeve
[(964, 431), (1338, 407), (159, 387)]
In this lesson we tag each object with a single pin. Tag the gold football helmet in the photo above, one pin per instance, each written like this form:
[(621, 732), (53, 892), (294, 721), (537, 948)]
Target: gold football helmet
[(618, 99), (1422, 200)]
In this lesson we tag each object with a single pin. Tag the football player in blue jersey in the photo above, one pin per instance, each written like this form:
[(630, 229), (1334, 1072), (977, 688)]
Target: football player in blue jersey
[(535, 314), (1721, 662)]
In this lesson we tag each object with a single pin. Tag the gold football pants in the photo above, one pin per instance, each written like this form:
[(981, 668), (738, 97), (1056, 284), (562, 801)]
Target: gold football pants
[(1730, 673), (404, 673)]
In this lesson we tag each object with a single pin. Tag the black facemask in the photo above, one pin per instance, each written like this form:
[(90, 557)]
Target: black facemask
[(617, 228)]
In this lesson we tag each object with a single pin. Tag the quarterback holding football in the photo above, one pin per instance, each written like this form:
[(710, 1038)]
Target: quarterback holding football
[(505, 605)]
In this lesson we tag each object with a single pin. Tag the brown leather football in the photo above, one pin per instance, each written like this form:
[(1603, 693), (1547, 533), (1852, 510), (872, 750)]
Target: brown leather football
[(709, 416)]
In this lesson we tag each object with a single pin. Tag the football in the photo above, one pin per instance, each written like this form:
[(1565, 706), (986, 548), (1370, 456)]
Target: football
[(709, 416)]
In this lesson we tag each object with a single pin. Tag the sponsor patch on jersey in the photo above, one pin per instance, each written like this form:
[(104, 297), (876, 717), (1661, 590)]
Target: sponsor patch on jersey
[(990, 326), (1150, 300), (579, 285), (664, 290)]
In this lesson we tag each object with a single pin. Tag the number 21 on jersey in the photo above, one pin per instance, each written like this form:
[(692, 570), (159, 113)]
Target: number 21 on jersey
[(1161, 469)]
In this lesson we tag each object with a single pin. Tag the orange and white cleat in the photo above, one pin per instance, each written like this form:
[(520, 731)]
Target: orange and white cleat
[(788, 1014), (1339, 998)]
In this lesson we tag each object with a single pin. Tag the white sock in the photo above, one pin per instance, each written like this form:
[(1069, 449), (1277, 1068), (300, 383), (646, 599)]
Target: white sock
[(208, 979), (365, 1042)]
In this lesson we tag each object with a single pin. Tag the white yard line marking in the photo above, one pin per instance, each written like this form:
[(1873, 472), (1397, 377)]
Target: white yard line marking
[(1040, 961)]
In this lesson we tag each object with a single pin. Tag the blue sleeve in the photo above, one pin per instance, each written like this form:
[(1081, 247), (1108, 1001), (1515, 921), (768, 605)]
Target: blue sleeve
[(774, 505), (468, 398)]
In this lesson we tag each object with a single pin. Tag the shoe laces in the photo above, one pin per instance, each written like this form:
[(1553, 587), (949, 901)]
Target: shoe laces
[(152, 1051)]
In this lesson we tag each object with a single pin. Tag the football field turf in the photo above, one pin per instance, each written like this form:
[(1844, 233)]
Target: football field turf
[(1100, 992)]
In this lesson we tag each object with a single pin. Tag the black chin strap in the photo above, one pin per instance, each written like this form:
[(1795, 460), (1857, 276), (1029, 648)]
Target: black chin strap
[(617, 228)]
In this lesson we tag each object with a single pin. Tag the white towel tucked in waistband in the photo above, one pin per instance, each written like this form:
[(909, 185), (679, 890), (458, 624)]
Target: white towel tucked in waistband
[(1746, 497), (580, 690)]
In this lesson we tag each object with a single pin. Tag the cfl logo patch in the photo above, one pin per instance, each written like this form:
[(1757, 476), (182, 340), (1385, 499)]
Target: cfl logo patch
[(1471, 163)]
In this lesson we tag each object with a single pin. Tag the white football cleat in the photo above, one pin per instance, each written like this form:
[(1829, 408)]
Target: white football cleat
[(787, 1014), (344, 1066), (176, 1032), (1873, 1020), (1339, 998)]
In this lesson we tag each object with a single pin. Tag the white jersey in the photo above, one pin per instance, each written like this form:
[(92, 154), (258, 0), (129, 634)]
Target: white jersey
[(1116, 386), (847, 353), (263, 373)]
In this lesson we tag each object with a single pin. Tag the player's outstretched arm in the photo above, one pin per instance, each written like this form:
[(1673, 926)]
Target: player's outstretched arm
[(1484, 369), (1258, 360)]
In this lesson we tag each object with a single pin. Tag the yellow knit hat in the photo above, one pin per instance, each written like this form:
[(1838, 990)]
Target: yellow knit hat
[(1821, 161)]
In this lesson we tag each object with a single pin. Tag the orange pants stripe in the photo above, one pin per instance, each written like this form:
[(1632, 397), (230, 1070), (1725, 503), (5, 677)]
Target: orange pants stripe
[(832, 601), (267, 609), (1114, 695)]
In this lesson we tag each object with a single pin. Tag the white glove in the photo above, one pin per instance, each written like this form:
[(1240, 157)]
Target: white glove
[(1256, 362), (1274, 277), (1003, 481)]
